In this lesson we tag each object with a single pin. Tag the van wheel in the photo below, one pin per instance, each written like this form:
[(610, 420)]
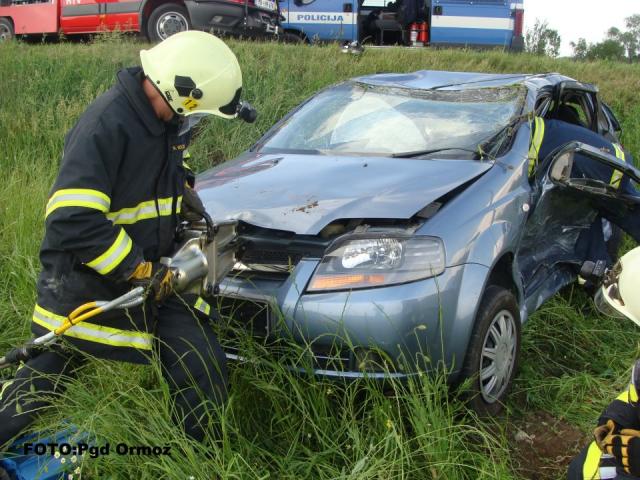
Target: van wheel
[(6, 30), (494, 348), (292, 37), (167, 20)]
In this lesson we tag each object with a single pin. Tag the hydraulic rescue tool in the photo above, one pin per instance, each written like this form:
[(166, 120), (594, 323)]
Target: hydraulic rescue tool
[(206, 254)]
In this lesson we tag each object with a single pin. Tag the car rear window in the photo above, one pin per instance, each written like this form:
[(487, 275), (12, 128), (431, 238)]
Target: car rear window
[(360, 119)]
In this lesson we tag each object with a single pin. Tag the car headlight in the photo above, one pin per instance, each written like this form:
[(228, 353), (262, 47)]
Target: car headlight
[(366, 261)]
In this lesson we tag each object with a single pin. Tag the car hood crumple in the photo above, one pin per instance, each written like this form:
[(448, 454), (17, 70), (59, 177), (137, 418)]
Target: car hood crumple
[(304, 193)]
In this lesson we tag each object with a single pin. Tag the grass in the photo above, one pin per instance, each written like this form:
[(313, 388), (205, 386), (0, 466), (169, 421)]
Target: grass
[(276, 424)]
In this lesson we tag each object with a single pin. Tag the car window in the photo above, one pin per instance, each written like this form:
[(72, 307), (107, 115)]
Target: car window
[(355, 118)]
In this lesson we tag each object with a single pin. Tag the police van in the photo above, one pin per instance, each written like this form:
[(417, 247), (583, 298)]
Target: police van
[(473, 23)]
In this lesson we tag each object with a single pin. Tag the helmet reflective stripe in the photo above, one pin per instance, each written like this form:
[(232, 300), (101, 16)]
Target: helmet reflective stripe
[(196, 73), (94, 333)]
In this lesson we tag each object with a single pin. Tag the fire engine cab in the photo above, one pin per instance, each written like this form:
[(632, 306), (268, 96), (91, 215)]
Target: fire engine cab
[(157, 19)]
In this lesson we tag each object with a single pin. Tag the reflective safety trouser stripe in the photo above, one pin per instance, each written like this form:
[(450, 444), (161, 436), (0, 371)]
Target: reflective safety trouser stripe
[(94, 333), (144, 211), (78, 197), (202, 306), (597, 465), (114, 255), (536, 143), (617, 175)]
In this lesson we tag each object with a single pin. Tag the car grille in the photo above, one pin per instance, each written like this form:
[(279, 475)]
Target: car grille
[(270, 261)]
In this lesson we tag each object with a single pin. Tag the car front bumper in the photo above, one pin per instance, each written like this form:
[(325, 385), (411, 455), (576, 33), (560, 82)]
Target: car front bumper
[(418, 326)]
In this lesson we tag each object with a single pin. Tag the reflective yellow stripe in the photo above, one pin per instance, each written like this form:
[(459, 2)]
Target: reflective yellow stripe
[(5, 385), (617, 175), (186, 156), (114, 254), (536, 143), (630, 395), (94, 333), (202, 306), (78, 197), (144, 211), (591, 467)]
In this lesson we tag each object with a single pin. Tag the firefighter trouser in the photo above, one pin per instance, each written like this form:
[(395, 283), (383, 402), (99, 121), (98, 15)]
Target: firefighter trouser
[(191, 360), (592, 464)]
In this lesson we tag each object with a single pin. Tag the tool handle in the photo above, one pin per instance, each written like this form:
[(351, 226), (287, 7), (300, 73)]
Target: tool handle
[(18, 354)]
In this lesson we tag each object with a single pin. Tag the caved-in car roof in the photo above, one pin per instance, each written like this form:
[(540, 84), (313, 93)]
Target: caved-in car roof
[(435, 79)]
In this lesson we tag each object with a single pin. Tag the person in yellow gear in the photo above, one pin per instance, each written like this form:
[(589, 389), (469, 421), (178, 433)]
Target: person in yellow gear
[(112, 214), (615, 451)]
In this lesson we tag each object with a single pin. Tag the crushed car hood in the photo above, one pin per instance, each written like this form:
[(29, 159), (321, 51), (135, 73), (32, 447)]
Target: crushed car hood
[(304, 193)]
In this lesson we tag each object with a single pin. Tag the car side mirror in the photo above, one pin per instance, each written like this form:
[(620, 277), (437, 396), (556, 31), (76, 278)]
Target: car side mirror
[(591, 170)]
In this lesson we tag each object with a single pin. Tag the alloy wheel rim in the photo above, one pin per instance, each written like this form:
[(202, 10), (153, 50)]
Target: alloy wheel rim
[(171, 23), (498, 356)]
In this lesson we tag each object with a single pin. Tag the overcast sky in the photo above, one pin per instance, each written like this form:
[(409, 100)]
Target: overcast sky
[(580, 18)]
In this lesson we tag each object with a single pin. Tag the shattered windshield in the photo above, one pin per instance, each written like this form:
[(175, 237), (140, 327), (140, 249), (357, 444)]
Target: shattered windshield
[(359, 119)]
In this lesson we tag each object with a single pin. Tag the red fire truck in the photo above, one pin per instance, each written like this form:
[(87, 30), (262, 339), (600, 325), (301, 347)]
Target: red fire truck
[(157, 19)]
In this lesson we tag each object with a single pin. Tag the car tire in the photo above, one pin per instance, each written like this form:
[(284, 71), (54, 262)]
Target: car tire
[(6, 30), (494, 348), (166, 20)]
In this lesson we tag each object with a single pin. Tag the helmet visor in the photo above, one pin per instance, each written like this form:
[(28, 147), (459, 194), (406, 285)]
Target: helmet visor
[(604, 304)]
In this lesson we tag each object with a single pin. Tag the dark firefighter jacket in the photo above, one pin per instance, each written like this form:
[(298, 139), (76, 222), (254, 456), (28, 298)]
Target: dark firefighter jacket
[(115, 202), (550, 135)]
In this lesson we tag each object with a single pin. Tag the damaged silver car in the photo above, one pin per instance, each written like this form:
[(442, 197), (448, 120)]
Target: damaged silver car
[(390, 226)]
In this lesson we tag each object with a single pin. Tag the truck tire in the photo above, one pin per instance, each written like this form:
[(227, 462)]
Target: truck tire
[(6, 30), (493, 351), (166, 20)]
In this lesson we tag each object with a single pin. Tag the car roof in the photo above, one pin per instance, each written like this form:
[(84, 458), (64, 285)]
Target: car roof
[(436, 79)]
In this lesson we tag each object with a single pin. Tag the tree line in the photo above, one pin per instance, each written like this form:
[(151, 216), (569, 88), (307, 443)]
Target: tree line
[(618, 45)]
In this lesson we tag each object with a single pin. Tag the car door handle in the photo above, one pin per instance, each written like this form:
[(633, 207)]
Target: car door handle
[(438, 10), (347, 7)]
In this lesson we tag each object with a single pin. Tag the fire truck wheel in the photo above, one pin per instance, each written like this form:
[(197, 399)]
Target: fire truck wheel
[(6, 30), (166, 20)]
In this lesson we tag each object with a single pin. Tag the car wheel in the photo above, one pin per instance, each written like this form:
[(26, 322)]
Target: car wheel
[(494, 348), (6, 30), (167, 20)]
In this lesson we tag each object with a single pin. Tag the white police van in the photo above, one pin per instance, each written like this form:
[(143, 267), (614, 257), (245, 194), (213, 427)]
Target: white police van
[(476, 23)]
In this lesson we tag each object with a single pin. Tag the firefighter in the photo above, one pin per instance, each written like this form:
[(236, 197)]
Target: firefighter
[(112, 214), (615, 451), (548, 135)]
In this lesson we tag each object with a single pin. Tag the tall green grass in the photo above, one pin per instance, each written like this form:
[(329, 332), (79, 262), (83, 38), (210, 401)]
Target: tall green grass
[(278, 424)]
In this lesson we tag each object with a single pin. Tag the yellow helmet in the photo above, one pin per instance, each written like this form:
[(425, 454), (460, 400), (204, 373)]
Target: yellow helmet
[(619, 295), (196, 73)]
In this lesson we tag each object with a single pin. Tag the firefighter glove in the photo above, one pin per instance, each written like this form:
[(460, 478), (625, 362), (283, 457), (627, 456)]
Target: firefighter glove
[(156, 278), (625, 447), (603, 431), (192, 207)]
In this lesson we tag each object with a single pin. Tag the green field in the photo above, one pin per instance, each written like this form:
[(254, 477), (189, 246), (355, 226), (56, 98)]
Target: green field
[(277, 425)]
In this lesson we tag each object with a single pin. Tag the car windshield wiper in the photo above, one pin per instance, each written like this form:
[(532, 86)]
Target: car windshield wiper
[(503, 134), (419, 153)]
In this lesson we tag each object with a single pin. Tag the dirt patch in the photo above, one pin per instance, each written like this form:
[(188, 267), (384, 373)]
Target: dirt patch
[(307, 207), (543, 446)]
